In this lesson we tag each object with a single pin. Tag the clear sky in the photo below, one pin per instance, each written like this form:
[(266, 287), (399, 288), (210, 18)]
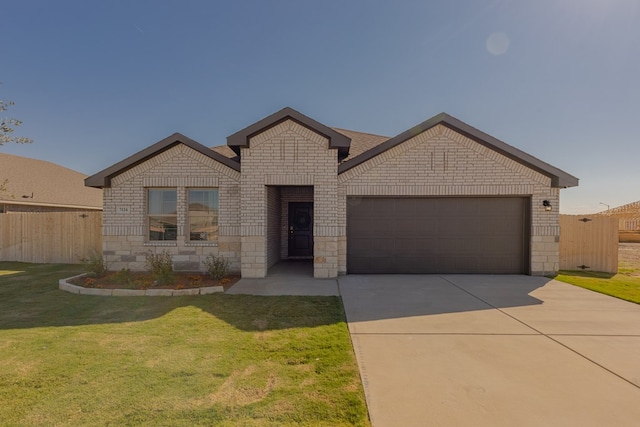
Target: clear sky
[(96, 81)]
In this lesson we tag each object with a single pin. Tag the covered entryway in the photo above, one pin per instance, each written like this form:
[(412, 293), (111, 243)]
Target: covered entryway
[(431, 235), (289, 224)]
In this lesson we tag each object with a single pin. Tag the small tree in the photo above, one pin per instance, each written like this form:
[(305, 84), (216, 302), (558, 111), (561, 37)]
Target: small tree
[(7, 126)]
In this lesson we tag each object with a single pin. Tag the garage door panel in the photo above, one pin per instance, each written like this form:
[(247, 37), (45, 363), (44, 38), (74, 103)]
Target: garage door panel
[(360, 245), (382, 246), (438, 235), (362, 226), (384, 226), (413, 226)]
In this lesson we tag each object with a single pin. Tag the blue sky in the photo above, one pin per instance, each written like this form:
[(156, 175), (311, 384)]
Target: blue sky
[(96, 81)]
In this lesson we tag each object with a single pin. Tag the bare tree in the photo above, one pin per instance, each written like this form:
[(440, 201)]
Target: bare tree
[(7, 126)]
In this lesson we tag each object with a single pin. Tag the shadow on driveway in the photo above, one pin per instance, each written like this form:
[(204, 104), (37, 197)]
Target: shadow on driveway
[(379, 297)]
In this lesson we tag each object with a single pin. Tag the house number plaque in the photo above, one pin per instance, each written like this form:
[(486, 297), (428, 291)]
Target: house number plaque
[(123, 210)]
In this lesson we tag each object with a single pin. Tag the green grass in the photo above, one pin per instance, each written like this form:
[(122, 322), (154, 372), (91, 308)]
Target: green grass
[(224, 360), (624, 285)]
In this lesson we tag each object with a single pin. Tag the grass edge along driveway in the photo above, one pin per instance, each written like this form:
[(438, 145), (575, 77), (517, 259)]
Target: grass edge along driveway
[(196, 360), (624, 285)]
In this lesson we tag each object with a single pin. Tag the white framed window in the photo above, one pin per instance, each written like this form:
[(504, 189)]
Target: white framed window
[(202, 217), (162, 214)]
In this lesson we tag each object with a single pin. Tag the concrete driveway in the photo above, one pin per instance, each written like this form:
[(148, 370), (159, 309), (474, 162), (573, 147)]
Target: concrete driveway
[(493, 351)]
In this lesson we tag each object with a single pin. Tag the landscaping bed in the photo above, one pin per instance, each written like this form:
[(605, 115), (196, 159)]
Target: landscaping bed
[(159, 274), (145, 280)]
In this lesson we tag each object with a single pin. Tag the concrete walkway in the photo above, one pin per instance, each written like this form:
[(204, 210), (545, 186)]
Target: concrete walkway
[(493, 351), (287, 278)]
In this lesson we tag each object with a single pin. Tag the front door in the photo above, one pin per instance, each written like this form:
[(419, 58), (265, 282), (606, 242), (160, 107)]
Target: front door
[(301, 229)]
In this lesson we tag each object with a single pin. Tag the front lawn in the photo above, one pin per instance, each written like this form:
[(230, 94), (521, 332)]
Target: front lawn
[(224, 360)]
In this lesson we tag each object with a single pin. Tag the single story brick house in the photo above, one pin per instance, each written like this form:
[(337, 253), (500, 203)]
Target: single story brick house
[(442, 197)]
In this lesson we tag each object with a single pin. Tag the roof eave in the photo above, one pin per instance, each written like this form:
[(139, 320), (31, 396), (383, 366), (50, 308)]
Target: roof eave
[(241, 138), (558, 177), (103, 178)]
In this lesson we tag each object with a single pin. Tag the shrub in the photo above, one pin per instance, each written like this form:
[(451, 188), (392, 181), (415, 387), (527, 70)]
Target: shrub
[(123, 277), (95, 264), (216, 266), (161, 267)]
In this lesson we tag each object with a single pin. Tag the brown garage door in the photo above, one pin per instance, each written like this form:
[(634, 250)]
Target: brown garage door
[(468, 235)]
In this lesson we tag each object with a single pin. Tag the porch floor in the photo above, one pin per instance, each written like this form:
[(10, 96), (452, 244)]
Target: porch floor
[(287, 277)]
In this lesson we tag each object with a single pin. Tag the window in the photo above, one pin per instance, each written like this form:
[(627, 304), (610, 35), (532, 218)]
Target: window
[(203, 214), (162, 214)]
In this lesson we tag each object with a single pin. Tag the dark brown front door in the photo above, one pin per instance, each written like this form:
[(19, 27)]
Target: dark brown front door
[(300, 229)]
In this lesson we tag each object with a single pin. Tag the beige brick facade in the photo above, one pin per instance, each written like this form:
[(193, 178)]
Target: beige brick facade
[(287, 155), (441, 162), (289, 162), (125, 241)]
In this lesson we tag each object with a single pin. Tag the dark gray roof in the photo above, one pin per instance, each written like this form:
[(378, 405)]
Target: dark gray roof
[(103, 178), (336, 139), (365, 146), (360, 141), (558, 177)]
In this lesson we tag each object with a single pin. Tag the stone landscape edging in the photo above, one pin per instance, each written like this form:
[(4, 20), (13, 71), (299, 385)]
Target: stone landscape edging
[(64, 285)]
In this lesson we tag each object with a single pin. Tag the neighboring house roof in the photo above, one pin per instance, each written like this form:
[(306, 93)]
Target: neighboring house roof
[(354, 147), (33, 182), (630, 210), (558, 177), (103, 178)]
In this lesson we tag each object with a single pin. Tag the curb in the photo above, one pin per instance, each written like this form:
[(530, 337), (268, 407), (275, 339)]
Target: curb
[(65, 286)]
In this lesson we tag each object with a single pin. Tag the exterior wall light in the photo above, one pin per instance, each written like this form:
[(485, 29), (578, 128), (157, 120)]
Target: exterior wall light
[(547, 205)]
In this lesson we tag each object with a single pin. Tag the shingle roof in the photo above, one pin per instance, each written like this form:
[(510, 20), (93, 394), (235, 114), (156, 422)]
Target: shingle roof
[(360, 142), (336, 140), (354, 147), (225, 150), (103, 178), (559, 178), (49, 183)]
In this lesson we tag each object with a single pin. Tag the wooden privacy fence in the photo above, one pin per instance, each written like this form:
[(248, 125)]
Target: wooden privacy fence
[(41, 237), (589, 243)]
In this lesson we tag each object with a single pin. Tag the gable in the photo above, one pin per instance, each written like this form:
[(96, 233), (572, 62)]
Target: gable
[(179, 165), (558, 177), (287, 132), (442, 157), (103, 178), (288, 154), (244, 137)]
